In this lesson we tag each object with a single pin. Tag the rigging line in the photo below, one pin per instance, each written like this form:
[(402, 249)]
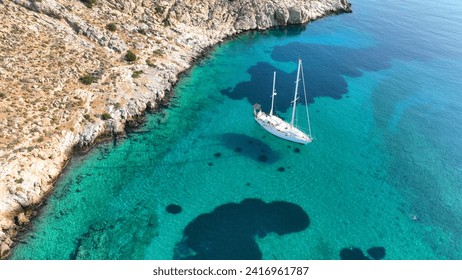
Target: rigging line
[(275, 93), (296, 119), (306, 101)]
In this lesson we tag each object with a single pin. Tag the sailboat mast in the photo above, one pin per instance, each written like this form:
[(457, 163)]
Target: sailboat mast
[(306, 101), (294, 102), (273, 94)]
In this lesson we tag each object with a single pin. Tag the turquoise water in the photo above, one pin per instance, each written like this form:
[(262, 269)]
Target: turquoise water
[(202, 180)]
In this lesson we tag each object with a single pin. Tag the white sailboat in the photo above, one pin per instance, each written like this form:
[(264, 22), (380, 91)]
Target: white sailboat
[(278, 127)]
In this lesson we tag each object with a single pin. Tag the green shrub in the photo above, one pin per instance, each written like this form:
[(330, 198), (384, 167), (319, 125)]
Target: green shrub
[(19, 181), (87, 79), (158, 52), (105, 116), (111, 27), (40, 139), (159, 9), (130, 56), (87, 117), (149, 63), (2, 95), (89, 3), (137, 74)]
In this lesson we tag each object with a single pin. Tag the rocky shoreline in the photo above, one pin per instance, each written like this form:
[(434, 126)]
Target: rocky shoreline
[(47, 112)]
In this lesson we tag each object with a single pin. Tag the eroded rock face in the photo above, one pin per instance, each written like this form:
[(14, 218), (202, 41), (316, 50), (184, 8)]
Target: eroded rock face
[(48, 45), (238, 15)]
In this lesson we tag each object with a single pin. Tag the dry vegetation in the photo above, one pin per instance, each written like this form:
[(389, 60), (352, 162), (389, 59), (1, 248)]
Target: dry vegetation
[(41, 63), (60, 77)]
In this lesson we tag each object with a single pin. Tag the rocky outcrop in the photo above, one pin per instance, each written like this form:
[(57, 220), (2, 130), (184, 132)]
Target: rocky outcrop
[(58, 11), (48, 45), (238, 15)]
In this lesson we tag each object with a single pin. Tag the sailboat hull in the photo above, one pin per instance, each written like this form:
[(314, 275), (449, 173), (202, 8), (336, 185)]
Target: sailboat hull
[(281, 129)]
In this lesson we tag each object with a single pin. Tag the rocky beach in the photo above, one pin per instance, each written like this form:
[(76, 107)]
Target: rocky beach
[(73, 72)]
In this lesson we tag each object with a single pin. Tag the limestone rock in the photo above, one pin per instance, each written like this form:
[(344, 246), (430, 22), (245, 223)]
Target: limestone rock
[(22, 219), (4, 250), (56, 10)]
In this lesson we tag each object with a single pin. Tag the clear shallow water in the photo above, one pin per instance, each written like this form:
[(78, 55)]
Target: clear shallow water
[(386, 111)]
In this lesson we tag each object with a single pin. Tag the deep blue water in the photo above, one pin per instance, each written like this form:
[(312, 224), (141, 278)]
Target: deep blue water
[(201, 180)]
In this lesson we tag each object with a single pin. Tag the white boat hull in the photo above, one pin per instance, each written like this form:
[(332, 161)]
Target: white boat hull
[(281, 129)]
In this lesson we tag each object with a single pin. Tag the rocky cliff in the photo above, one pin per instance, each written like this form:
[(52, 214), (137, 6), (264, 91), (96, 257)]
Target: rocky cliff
[(73, 70)]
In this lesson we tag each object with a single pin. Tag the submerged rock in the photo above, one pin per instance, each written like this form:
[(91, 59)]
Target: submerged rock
[(230, 231), (263, 158), (173, 209), (377, 253)]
